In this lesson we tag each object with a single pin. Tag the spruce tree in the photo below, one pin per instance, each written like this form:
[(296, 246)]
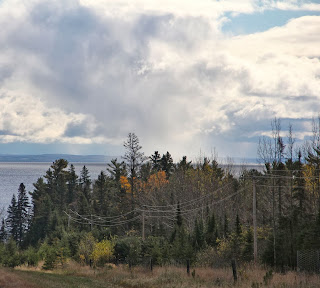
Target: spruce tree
[(3, 231), (134, 158), (22, 213), (12, 218), (85, 183), (155, 161), (72, 184), (211, 231), (100, 193), (167, 164), (199, 237), (116, 170)]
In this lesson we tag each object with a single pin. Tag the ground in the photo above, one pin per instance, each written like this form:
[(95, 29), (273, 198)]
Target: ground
[(76, 276)]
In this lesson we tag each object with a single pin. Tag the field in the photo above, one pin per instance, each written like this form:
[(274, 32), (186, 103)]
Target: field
[(77, 276)]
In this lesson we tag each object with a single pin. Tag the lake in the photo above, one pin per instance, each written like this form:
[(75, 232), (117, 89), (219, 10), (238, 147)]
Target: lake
[(13, 173)]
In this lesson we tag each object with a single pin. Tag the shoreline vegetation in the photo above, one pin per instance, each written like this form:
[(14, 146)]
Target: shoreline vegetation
[(150, 213)]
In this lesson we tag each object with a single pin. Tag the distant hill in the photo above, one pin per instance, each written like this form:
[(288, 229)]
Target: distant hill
[(53, 157)]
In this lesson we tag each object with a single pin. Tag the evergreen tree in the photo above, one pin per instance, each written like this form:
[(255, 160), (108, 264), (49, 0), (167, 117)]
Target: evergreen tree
[(247, 252), (155, 161), (179, 216), (22, 213), (12, 218), (145, 171), (3, 231), (100, 193), (72, 184), (211, 231), (184, 165), (199, 236), (42, 207), (85, 184), (134, 158), (218, 172), (167, 164), (116, 169)]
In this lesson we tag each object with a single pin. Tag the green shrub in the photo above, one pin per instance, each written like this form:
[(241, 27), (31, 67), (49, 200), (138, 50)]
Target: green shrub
[(11, 256), (31, 256)]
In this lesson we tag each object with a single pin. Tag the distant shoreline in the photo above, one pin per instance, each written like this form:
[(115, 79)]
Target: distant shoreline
[(48, 158)]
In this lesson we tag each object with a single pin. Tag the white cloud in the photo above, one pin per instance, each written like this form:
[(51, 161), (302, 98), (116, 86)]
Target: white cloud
[(90, 72)]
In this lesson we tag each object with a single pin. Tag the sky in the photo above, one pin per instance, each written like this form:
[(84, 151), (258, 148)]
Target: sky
[(189, 77)]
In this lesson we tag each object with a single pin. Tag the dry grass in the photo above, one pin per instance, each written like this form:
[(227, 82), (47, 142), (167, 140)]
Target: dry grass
[(10, 279), (75, 275)]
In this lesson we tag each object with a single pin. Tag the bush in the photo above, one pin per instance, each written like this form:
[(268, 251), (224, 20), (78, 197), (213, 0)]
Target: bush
[(103, 252), (128, 250), (156, 248), (31, 256), (11, 256)]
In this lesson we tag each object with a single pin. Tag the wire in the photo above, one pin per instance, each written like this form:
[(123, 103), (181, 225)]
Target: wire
[(89, 222), (189, 201)]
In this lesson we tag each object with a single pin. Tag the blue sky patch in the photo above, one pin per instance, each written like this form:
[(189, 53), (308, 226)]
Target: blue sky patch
[(259, 22)]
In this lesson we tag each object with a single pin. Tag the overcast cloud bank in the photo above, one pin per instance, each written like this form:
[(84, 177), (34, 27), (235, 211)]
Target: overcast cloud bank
[(89, 72)]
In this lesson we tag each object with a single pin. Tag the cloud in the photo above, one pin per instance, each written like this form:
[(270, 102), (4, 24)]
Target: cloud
[(90, 72)]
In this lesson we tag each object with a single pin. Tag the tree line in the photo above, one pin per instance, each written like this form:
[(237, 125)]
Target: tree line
[(143, 209)]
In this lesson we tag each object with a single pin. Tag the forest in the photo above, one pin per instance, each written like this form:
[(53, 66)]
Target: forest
[(149, 209)]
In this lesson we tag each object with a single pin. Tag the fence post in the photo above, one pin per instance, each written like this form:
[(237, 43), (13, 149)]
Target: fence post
[(188, 267), (234, 270), (151, 264)]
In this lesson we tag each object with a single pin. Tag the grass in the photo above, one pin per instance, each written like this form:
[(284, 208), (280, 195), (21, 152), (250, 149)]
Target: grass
[(74, 275)]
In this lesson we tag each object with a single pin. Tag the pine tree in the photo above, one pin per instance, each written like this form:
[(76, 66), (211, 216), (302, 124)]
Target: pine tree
[(3, 231), (199, 238), (22, 213), (12, 218), (100, 193), (116, 169), (247, 252), (42, 207), (134, 158), (155, 161), (72, 184), (211, 231), (85, 183), (184, 165), (179, 217), (167, 164)]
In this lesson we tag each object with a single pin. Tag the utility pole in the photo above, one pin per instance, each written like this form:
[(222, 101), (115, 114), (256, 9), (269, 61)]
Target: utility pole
[(254, 208), (143, 224)]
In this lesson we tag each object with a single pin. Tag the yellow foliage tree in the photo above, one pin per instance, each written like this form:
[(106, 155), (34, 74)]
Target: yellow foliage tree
[(124, 182), (156, 181), (103, 252)]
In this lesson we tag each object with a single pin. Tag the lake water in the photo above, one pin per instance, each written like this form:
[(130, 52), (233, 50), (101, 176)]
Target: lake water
[(12, 174)]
